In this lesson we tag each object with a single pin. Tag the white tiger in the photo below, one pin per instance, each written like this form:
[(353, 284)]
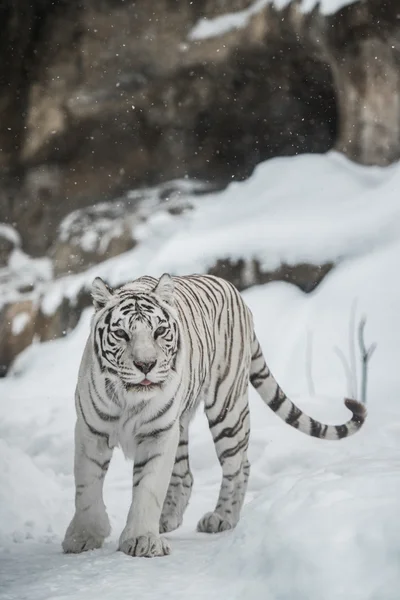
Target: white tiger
[(155, 351)]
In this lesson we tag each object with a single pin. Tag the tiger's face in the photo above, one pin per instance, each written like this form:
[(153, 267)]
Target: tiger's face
[(136, 337)]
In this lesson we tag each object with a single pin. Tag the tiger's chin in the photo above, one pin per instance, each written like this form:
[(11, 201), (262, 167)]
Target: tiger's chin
[(146, 389)]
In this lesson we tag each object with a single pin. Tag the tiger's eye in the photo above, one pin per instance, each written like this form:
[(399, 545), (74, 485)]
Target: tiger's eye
[(159, 331), (120, 333)]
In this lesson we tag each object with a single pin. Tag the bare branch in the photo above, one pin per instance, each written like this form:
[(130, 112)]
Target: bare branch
[(352, 349), (366, 354)]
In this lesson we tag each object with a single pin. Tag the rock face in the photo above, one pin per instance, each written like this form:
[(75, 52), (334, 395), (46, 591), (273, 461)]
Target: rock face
[(361, 44), (89, 236), (98, 97), (114, 95), (244, 274)]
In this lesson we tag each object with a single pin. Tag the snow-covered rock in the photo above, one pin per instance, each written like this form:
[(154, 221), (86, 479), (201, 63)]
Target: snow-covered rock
[(9, 241)]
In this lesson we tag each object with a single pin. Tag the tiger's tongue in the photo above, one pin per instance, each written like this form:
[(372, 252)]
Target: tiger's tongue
[(145, 382)]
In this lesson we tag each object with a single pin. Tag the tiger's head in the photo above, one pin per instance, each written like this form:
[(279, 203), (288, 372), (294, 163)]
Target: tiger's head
[(136, 334)]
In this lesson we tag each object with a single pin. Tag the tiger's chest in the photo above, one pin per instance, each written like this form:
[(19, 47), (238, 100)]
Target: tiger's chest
[(139, 420)]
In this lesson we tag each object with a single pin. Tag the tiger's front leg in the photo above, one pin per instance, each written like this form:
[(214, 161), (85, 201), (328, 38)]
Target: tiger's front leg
[(90, 524), (180, 486), (154, 460)]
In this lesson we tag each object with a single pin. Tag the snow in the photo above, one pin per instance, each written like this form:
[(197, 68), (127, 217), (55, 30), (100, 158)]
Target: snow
[(10, 234), (321, 518), (19, 323), (327, 195), (326, 7), (208, 28), (24, 273)]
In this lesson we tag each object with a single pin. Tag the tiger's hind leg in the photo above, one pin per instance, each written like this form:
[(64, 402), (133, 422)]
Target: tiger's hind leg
[(180, 486), (230, 430)]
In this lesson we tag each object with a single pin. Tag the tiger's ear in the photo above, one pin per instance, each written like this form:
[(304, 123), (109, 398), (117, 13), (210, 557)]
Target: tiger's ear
[(164, 289), (101, 293)]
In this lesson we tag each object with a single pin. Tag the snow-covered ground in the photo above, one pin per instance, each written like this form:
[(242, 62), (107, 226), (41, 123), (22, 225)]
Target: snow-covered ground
[(321, 520)]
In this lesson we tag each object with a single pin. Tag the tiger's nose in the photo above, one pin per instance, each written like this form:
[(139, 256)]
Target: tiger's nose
[(144, 367)]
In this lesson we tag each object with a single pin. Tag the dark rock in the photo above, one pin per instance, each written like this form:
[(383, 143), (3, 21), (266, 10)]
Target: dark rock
[(362, 42), (65, 317), (246, 273), (127, 100), (90, 236), (34, 36), (17, 330)]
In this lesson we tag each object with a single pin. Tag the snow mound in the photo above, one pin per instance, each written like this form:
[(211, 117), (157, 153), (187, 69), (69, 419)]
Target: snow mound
[(308, 209), (29, 498)]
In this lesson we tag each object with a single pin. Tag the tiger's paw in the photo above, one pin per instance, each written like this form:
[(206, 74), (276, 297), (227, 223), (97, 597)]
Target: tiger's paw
[(81, 541), (169, 523), (212, 522), (148, 546), (82, 535)]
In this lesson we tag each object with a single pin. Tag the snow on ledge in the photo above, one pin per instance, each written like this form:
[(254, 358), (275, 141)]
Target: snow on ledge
[(9, 233), (19, 323), (327, 7), (208, 28)]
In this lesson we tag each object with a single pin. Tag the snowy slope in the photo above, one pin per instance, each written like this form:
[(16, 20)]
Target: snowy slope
[(321, 518), (270, 218)]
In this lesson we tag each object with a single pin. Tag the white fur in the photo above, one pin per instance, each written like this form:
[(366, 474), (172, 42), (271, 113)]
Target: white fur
[(199, 341)]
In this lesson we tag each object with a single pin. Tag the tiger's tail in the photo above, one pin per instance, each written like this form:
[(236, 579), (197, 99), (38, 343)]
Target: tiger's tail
[(263, 381)]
